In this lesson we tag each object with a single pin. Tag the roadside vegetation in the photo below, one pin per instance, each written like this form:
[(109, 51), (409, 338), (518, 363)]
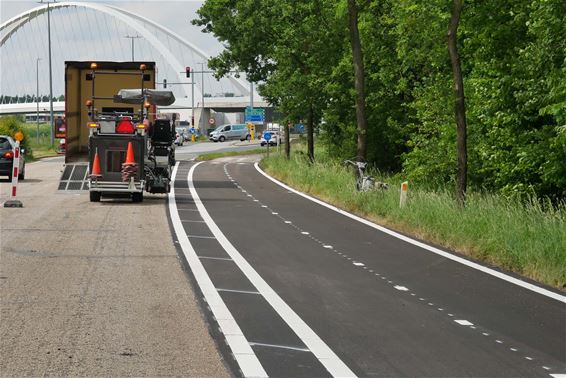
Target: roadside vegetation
[(524, 236), (35, 148)]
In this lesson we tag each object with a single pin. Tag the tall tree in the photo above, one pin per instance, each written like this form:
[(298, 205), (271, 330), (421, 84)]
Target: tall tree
[(459, 103), (359, 80)]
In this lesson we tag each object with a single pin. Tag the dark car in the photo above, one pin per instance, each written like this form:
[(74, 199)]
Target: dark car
[(7, 158)]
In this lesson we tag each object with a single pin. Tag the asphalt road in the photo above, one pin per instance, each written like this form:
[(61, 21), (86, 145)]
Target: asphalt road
[(300, 290), (95, 289)]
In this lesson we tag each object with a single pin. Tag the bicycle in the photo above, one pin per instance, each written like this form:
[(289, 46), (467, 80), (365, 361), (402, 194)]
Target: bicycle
[(363, 181)]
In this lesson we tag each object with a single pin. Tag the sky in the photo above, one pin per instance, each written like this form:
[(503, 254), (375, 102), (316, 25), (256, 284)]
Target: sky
[(175, 15), (18, 57)]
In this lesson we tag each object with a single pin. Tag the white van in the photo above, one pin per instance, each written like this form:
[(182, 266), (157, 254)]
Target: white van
[(231, 131)]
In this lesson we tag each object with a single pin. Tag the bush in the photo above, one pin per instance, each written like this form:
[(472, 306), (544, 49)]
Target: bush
[(10, 126)]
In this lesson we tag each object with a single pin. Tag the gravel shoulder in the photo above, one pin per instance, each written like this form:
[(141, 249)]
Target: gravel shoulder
[(95, 289)]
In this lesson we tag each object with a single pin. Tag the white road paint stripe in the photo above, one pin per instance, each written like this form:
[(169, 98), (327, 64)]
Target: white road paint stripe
[(481, 268), (274, 213), (238, 291), (201, 237), (325, 355), (358, 264), (279, 346), (288, 222), (191, 221), (244, 354), (215, 258), (558, 375), (401, 288), (304, 233), (464, 322)]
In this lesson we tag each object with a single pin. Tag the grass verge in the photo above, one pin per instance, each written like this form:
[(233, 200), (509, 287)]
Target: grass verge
[(216, 155), (39, 143), (517, 237)]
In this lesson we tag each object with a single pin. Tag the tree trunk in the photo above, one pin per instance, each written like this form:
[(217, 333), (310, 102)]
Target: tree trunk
[(459, 104), (359, 84), (310, 134), (288, 141)]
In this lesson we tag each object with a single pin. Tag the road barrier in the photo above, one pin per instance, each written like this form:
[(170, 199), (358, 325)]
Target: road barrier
[(13, 202)]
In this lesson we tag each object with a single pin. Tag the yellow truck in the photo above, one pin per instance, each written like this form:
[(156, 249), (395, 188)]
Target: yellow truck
[(113, 141)]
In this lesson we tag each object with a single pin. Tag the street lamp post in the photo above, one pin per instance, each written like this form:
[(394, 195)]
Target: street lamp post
[(50, 70), (132, 37), (202, 93), (37, 94)]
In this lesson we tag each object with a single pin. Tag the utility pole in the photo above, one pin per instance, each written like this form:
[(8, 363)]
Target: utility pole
[(132, 37), (202, 93), (37, 94), (50, 70), (193, 99), (251, 94)]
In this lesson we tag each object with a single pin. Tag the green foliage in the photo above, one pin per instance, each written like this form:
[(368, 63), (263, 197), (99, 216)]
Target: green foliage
[(10, 126), (513, 56), (527, 238)]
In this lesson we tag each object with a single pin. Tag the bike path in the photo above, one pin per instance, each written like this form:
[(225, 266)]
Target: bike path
[(384, 306)]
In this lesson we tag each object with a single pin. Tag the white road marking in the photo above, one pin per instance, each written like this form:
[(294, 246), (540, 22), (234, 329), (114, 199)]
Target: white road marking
[(238, 291), (279, 346), (358, 264), (215, 258), (274, 213), (464, 322), (263, 205), (471, 264), (245, 357), (192, 221), (201, 237), (327, 246), (304, 233), (499, 341), (529, 358), (401, 288), (546, 368), (513, 349), (324, 354), (485, 334), (558, 375)]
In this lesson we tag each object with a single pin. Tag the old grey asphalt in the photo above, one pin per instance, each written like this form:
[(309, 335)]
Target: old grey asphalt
[(95, 289)]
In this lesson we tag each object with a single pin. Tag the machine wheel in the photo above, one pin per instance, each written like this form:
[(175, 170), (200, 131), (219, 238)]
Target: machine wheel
[(221, 139), (95, 196), (137, 197)]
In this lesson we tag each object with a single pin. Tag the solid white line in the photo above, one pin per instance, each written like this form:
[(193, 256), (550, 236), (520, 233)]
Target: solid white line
[(558, 375), (201, 237), (280, 346), (215, 258), (325, 355), (239, 291), (503, 276), (245, 356)]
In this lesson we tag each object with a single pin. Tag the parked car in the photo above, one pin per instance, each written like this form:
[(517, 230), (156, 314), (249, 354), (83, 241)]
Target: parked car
[(274, 137), (232, 131), (7, 145)]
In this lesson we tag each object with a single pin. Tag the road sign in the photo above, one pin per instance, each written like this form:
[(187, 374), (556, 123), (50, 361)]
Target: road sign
[(211, 121), (267, 136), (254, 115)]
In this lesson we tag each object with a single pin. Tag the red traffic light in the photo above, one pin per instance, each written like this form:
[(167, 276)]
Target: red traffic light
[(188, 71)]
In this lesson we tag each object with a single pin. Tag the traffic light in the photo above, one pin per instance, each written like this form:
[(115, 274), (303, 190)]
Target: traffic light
[(164, 83), (188, 71)]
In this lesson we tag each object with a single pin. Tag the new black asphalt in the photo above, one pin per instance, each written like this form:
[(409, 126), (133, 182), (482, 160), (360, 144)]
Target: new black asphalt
[(384, 306)]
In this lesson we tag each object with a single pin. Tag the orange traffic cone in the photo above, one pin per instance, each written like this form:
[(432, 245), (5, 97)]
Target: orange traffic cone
[(130, 155), (96, 166)]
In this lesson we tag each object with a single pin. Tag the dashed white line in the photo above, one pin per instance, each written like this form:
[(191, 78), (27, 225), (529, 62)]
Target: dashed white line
[(305, 233), (499, 341), (401, 288), (358, 263), (325, 246), (464, 322)]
